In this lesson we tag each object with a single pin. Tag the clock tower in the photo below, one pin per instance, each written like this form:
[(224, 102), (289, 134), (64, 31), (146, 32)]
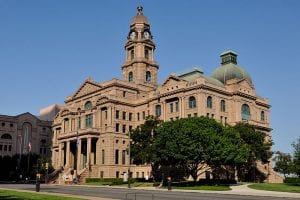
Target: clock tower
[(140, 66)]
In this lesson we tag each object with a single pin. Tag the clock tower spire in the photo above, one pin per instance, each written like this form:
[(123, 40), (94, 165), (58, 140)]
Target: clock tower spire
[(140, 66)]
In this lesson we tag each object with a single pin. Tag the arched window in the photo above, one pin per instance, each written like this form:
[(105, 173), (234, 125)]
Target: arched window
[(245, 112), (262, 116), (130, 76), (223, 106), (148, 76), (88, 105), (6, 136), (209, 102), (192, 102), (158, 110)]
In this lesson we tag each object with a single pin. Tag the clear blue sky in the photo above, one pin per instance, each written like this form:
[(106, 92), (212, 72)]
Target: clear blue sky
[(48, 48)]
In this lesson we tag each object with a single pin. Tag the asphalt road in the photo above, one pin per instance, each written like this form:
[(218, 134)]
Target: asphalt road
[(132, 194)]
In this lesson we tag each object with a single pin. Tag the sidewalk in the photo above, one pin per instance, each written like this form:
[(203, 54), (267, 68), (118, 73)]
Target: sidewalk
[(243, 190)]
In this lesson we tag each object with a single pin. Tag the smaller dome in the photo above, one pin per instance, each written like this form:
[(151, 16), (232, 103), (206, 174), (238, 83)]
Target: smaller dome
[(139, 18), (230, 71), (229, 68)]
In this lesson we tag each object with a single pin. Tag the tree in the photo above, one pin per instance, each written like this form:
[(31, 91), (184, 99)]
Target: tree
[(259, 147), (194, 142), (142, 149), (296, 157), (283, 163)]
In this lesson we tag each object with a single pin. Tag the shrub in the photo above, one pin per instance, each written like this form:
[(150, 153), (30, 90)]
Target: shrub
[(292, 181)]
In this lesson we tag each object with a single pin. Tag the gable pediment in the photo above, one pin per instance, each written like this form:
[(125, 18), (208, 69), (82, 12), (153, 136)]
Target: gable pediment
[(86, 88), (172, 80)]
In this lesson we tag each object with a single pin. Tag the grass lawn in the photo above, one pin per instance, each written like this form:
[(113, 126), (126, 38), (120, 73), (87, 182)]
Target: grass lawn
[(204, 187), (14, 195), (278, 187)]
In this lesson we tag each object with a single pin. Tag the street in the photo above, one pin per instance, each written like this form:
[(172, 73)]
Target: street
[(134, 194)]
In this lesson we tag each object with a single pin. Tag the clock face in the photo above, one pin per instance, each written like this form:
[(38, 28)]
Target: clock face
[(132, 35), (146, 35)]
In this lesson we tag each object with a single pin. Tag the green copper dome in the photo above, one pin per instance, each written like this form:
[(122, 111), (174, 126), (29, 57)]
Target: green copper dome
[(229, 69)]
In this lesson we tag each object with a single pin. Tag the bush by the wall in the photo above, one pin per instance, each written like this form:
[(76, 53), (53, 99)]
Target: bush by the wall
[(108, 181), (292, 181)]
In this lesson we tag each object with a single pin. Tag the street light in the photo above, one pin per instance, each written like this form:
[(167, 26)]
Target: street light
[(129, 159)]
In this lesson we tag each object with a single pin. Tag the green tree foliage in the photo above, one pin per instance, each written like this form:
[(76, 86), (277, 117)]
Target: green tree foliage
[(142, 149), (259, 147), (296, 157), (194, 142), (283, 163)]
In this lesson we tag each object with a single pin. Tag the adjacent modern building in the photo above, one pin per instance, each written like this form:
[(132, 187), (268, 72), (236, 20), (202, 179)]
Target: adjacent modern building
[(90, 133), (23, 133)]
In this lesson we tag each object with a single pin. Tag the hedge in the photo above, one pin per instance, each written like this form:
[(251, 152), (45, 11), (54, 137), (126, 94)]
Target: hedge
[(292, 181), (109, 181)]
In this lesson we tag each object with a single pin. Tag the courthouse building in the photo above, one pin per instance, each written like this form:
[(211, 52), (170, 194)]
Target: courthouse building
[(90, 133)]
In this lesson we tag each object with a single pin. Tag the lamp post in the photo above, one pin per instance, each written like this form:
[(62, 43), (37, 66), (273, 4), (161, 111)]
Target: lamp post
[(129, 160)]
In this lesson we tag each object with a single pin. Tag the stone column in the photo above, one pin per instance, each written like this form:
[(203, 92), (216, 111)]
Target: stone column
[(78, 155), (88, 151), (164, 111), (68, 153), (180, 107), (60, 155)]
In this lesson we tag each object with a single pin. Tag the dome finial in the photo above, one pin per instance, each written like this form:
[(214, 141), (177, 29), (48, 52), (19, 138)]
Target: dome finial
[(140, 10)]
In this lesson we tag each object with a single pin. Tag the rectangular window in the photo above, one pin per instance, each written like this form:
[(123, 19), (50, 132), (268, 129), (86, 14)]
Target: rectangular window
[(5, 147), (171, 107), (207, 114), (117, 157), (124, 115), (41, 150), (189, 115), (195, 114), (225, 120), (138, 116), (103, 156), (101, 174), (117, 174), (9, 147), (89, 121), (106, 114), (212, 116), (130, 128), (123, 157), (124, 128), (171, 119), (1, 147), (143, 174), (177, 106), (221, 119), (137, 174), (117, 127), (146, 54), (177, 118), (144, 115), (130, 116), (117, 114)]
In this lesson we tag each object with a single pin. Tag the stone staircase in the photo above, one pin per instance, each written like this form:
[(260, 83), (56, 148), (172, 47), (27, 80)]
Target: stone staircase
[(272, 176)]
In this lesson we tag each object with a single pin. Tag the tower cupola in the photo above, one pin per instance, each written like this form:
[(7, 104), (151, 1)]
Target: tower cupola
[(140, 66)]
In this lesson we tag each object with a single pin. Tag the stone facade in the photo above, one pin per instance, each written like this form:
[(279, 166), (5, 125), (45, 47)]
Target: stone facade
[(16, 132), (90, 133)]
